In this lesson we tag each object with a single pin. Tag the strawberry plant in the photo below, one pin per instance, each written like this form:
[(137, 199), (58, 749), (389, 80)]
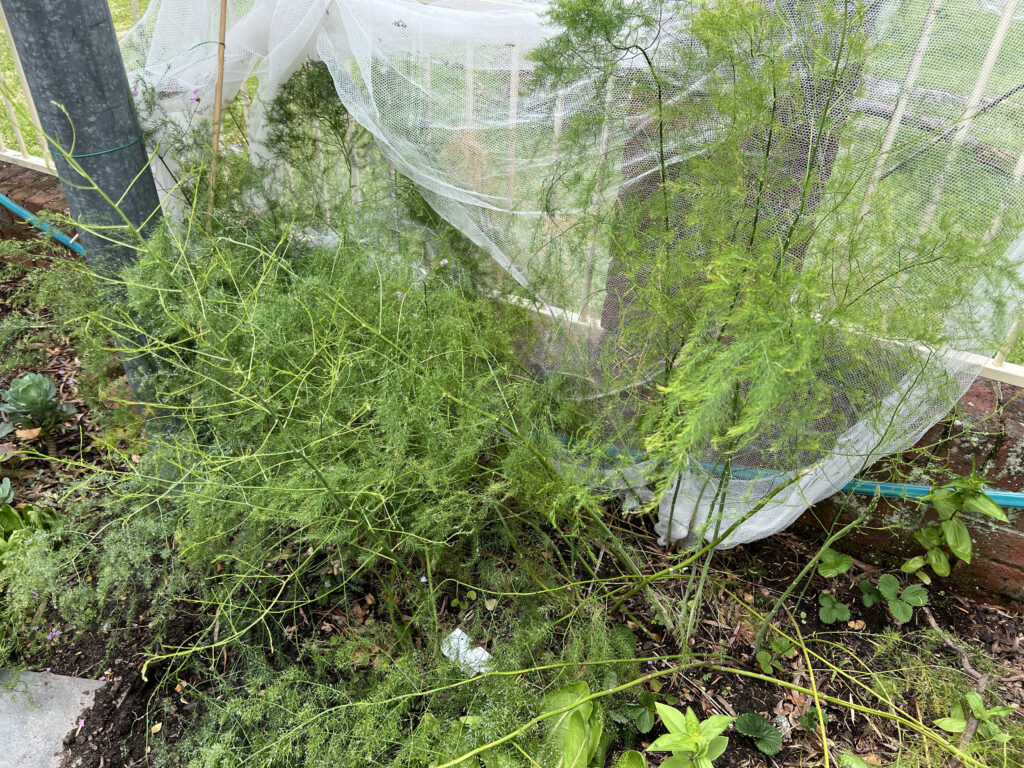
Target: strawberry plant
[(766, 736), (833, 563), (831, 609), (901, 604), (771, 661)]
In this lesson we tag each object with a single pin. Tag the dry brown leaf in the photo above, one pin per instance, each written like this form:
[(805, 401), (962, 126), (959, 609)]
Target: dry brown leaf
[(28, 434), (745, 633)]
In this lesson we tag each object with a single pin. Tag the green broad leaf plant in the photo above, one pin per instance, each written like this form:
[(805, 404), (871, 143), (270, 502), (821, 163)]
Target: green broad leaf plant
[(16, 524), (964, 494), (693, 743), (631, 759), (973, 704), (576, 734)]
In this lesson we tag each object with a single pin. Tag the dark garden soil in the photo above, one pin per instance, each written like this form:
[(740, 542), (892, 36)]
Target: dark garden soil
[(131, 713), (756, 575), (129, 710)]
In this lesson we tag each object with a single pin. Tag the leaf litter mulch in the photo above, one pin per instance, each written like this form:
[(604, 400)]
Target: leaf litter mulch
[(132, 712)]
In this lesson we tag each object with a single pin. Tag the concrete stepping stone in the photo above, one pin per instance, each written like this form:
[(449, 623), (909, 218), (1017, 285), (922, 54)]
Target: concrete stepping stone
[(37, 713)]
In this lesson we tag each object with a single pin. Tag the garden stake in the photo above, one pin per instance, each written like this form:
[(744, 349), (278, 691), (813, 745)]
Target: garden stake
[(217, 98)]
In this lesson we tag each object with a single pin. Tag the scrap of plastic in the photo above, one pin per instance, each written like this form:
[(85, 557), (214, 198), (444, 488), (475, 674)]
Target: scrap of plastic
[(459, 647)]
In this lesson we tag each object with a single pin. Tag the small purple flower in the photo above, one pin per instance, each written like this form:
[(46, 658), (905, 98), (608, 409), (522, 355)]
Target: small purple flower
[(423, 579), (47, 669), (54, 634), (444, 262), (194, 98), (61, 372), (135, 94), (81, 722)]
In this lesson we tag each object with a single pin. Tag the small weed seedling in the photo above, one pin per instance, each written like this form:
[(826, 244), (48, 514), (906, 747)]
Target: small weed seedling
[(642, 714), (693, 743), (6, 492), (771, 661), (766, 736), (965, 494), (901, 605), (831, 609), (810, 720), (988, 728), (31, 401)]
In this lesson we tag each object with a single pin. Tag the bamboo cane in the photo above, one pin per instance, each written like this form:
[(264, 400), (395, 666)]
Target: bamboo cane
[(217, 98)]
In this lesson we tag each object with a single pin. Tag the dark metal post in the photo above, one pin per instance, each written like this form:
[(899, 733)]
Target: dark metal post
[(73, 66), (80, 88)]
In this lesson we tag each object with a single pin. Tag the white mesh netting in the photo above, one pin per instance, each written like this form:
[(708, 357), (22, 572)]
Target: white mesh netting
[(918, 147)]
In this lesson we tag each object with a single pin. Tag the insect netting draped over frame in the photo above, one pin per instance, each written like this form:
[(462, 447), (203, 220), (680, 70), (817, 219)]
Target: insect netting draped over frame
[(765, 241)]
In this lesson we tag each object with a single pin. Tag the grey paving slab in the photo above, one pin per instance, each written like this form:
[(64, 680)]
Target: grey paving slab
[(36, 714)]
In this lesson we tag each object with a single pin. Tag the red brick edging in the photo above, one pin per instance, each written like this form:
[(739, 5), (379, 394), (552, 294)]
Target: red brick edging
[(986, 429)]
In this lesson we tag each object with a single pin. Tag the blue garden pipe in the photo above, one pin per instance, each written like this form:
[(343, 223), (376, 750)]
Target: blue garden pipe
[(867, 487), (904, 491), (39, 224), (888, 490)]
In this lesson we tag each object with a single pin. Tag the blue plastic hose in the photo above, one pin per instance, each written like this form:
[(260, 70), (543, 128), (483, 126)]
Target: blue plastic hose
[(39, 224), (904, 491), (867, 487)]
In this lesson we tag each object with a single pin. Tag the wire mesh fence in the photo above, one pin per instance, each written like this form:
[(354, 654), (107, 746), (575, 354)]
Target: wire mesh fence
[(956, 117)]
